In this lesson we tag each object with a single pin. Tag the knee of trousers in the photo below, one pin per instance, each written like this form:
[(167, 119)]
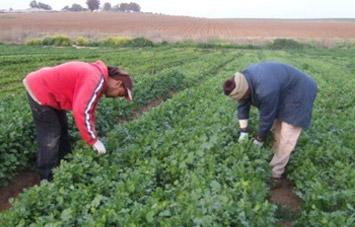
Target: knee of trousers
[(50, 143), (287, 140)]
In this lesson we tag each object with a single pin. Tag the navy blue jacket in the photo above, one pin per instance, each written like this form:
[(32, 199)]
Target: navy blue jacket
[(280, 92)]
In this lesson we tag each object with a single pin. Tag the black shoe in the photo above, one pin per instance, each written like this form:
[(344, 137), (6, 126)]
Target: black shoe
[(48, 176)]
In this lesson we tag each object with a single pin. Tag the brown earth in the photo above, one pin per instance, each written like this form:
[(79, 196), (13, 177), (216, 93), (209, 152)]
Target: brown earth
[(21, 181), (17, 27), (284, 196)]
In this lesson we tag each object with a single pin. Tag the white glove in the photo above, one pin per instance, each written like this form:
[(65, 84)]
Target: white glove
[(258, 143), (243, 137), (99, 147)]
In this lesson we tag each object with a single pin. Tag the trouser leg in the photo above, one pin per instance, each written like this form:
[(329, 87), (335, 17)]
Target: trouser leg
[(64, 143), (289, 135), (48, 133), (276, 131)]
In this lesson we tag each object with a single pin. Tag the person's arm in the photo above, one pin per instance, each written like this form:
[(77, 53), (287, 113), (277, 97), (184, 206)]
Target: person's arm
[(243, 116), (243, 113), (84, 108)]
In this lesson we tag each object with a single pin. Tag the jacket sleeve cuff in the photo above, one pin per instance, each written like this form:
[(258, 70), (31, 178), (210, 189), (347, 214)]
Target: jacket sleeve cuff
[(91, 141)]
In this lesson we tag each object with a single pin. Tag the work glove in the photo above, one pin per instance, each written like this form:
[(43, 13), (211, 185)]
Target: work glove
[(258, 141), (99, 147), (243, 136)]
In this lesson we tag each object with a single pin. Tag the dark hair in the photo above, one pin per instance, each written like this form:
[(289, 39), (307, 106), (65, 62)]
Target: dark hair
[(118, 74), (229, 86)]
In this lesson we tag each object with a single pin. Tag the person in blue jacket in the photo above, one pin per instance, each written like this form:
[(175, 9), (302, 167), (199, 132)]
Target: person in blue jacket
[(284, 97)]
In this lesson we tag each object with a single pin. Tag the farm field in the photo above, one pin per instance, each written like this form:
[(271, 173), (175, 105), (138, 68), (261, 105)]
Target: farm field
[(173, 158), (19, 27)]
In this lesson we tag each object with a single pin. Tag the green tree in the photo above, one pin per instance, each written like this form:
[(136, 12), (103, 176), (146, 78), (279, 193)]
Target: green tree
[(107, 6), (116, 8), (93, 4), (134, 7), (66, 8), (33, 4), (124, 7), (41, 5)]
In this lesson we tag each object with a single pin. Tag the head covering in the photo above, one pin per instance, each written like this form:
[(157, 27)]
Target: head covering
[(236, 87), (127, 83), (119, 74)]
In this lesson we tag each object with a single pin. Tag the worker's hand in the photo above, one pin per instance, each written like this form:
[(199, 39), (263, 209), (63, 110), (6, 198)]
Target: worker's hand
[(243, 136), (99, 147), (258, 141)]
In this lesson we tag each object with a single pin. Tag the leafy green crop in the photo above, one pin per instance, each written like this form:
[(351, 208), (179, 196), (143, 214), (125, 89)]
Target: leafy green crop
[(179, 163), (18, 148)]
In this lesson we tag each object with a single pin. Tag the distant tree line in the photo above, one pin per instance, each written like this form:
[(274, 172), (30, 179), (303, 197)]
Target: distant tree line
[(74, 8), (122, 7), (95, 5), (92, 6), (39, 5)]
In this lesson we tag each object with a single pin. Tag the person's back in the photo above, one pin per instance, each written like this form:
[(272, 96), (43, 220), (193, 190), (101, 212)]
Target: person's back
[(291, 90), (59, 86), (279, 75)]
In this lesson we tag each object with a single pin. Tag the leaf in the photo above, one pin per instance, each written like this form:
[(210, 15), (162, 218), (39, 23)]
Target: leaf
[(150, 216), (165, 213), (215, 186), (66, 214)]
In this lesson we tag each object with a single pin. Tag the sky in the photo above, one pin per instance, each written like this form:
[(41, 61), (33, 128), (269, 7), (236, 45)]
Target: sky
[(223, 8)]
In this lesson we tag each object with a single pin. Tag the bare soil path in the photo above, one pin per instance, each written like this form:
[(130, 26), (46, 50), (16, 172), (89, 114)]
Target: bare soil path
[(289, 204), (25, 179)]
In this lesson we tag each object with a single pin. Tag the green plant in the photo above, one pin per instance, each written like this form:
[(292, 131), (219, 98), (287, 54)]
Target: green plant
[(116, 41), (140, 42), (286, 44), (34, 42), (179, 164), (19, 148), (59, 40), (82, 41)]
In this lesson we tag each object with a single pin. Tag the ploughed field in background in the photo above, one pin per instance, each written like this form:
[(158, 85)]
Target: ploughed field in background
[(19, 27)]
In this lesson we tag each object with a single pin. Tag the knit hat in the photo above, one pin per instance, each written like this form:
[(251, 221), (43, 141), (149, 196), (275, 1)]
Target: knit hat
[(236, 87)]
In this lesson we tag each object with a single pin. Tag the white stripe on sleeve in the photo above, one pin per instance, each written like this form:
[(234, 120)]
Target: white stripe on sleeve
[(89, 107)]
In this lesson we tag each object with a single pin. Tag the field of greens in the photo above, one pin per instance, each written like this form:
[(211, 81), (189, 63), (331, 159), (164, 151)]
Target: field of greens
[(179, 162)]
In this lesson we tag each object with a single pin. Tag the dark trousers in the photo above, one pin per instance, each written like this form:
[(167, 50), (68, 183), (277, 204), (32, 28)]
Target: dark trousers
[(53, 138)]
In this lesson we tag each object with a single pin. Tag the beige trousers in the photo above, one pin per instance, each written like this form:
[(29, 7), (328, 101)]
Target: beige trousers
[(285, 140)]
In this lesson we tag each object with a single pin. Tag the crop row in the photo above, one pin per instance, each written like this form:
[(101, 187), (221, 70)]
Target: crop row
[(69, 53), (323, 168), (323, 165), (178, 164), (18, 134), (12, 75)]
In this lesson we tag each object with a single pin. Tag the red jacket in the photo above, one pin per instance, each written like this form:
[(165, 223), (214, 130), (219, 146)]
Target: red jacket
[(73, 86)]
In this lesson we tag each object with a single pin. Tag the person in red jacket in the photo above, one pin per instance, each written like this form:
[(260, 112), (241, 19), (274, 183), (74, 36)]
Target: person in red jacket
[(73, 86)]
